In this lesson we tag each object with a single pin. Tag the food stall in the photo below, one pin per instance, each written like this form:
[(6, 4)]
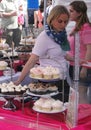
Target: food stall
[(25, 117)]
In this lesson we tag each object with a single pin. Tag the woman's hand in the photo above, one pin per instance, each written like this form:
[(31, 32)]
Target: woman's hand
[(17, 82), (6, 15), (83, 72), (82, 61)]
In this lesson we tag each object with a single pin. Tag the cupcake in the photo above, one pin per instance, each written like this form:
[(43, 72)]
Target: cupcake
[(52, 88), (46, 106), (32, 87), (18, 90), (56, 73), (41, 90), (38, 104), (47, 74), (23, 89), (3, 65), (35, 73), (11, 91), (4, 90), (57, 105)]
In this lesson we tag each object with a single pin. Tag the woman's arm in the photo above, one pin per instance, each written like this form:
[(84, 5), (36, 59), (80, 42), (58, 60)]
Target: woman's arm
[(35, 19), (12, 13), (69, 58), (30, 63), (83, 72)]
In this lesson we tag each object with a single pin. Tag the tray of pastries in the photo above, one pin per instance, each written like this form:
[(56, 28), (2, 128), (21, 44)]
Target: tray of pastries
[(27, 41), (45, 73), (24, 48), (3, 65), (48, 105), (42, 89), (9, 89)]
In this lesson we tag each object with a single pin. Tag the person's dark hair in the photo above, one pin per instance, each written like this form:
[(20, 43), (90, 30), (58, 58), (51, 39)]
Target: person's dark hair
[(41, 7), (80, 7), (55, 13)]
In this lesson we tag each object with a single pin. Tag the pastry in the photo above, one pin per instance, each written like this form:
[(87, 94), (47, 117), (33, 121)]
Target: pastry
[(57, 105), (3, 65)]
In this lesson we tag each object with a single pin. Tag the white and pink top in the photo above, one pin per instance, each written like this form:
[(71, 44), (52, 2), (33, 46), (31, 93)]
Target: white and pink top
[(85, 39)]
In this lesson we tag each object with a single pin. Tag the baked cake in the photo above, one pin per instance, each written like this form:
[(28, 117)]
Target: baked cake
[(47, 72), (57, 105), (4, 46), (42, 88), (28, 40), (3, 65), (48, 105), (24, 48), (11, 89)]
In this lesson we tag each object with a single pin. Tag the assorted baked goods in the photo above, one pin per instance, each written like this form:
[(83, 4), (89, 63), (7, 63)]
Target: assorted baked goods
[(48, 105), (27, 40), (3, 65), (4, 46), (47, 72), (11, 89), (24, 48), (42, 88)]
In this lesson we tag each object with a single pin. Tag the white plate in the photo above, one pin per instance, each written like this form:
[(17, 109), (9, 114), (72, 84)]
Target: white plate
[(42, 95), (45, 80), (49, 112)]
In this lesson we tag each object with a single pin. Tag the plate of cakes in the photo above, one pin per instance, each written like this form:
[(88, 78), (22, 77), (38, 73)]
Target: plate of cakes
[(24, 48), (48, 106), (9, 89), (42, 89), (27, 41), (3, 65), (45, 73)]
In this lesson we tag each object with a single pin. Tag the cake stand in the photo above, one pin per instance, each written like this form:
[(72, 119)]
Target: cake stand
[(9, 104)]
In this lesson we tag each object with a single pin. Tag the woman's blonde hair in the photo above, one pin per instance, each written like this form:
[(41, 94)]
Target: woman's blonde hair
[(56, 12)]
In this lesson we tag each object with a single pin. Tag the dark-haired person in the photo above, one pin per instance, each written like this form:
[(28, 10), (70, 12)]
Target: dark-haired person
[(78, 14), (39, 16)]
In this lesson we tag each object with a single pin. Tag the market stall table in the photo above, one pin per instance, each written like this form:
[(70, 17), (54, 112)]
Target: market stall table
[(28, 119)]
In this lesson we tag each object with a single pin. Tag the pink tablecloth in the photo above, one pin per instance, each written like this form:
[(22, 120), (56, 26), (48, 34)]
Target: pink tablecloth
[(12, 119), (20, 120)]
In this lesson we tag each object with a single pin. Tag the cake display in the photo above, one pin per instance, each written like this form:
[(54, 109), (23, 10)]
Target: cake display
[(36, 72), (42, 88), (38, 103), (57, 105), (3, 65), (47, 72), (27, 41), (11, 89), (48, 105), (24, 48), (4, 46)]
